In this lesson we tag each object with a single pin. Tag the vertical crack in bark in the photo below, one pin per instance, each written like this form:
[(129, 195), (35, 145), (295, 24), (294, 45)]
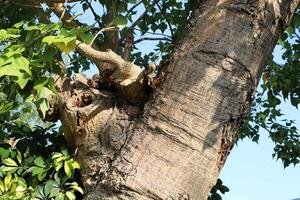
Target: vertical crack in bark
[(228, 138)]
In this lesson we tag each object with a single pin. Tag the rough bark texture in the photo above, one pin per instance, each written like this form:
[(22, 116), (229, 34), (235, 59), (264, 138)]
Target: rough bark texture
[(175, 146)]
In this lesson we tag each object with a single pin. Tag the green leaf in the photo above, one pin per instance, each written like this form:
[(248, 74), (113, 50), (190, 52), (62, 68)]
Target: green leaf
[(75, 165), (57, 178), (2, 187), (5, 107), (10, 162), (44, 93), (70, 195), (68, 168), (8, 169), (23, 64), (22, 185), (39, 162), (51, 188), (22, 80), (39, 193), (16, 66), (63, 43), (86, 37), (42, 175), (42, 105), (4, 35), (36, 170), (4, 153), (77, 188), (121, 21), (57, 155), (8, 180), (58, 165), (64, 151), (40, 83), (19, 157), (60, 196)]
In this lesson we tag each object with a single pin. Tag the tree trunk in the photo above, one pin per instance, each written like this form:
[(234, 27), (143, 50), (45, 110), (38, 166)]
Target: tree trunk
[(175, 147)]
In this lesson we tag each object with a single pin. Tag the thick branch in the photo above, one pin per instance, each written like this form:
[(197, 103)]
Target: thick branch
[(126, 73), (113, 68)]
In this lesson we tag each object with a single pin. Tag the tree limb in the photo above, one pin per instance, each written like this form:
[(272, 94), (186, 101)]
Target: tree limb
[(126, 72), (149, 38), (60, 11), (169, 24), (152, 33), (133, 7)]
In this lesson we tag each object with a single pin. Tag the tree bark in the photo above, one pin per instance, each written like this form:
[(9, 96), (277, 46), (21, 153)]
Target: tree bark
[(175, 146)]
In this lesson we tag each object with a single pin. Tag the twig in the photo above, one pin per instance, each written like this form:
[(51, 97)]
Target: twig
[(152, 33), (132, 26), (133, 7), (64, 11), (149, 38), (93, 11), (168, 22), (65, 16), (138, 20), (101, 31)]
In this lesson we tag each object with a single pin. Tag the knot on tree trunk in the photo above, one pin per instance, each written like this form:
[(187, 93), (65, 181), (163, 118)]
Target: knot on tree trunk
[(97, 123)]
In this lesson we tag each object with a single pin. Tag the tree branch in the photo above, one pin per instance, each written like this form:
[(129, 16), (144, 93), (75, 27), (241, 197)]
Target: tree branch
[(36, 7), (111, 39), (102, 31), (152, 33), (66, 17), (149, 38), (138, 20), (126, 72), (133, 7), (94, 13), (169, 24)]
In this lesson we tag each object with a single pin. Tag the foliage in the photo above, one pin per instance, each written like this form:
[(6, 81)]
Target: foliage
[(214, 195), (27, 176), (34, 164)]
